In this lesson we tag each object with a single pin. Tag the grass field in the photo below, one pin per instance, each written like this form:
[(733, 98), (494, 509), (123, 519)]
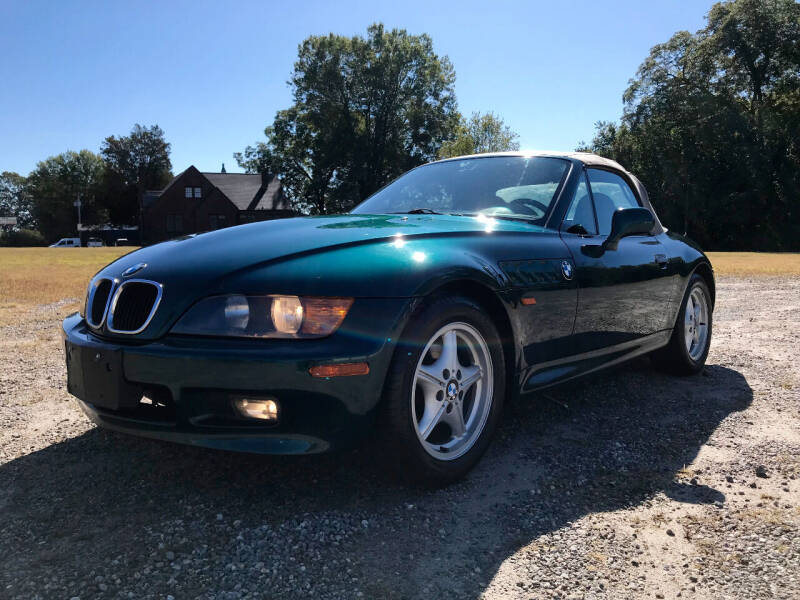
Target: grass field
[(755, 263), (31, 277)]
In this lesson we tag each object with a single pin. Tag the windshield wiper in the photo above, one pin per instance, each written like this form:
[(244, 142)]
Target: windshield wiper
[(417, 211)]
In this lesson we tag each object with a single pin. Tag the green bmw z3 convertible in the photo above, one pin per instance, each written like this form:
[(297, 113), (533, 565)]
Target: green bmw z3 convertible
[(461, 284)]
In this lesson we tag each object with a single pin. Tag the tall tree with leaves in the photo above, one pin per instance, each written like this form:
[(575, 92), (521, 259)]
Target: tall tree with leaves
[(134, 163), (365, 110), (712, 125), (15, 201), (480, 133), (57, 183)]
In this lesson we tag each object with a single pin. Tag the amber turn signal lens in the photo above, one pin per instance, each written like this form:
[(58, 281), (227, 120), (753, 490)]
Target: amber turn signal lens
[(340, 370), (324, 315)]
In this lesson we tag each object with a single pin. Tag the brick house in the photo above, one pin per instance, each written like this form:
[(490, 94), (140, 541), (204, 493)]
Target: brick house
[(194, 202)]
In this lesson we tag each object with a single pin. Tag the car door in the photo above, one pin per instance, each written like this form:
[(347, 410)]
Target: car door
[(624, 293)]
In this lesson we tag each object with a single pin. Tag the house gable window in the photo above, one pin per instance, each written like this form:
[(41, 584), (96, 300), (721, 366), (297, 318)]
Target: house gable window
[(187, 192), (198, 192)]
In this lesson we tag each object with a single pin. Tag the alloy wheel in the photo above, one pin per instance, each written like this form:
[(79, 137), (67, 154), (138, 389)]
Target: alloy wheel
[(452, 391), (695, 323)]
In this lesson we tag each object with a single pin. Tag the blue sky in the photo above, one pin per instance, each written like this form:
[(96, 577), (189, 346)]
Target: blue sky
[(213, 73)]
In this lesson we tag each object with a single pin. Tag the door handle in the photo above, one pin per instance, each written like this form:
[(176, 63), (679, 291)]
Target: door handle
[(661, 260)]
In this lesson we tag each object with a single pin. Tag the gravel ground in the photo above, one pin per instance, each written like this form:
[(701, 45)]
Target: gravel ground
[(630, 484)]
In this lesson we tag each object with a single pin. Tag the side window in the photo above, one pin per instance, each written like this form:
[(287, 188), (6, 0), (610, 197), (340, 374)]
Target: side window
[(610, 192), (580, 210)]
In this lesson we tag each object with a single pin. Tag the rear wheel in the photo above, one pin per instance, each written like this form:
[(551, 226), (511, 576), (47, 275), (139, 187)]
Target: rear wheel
[(444, 392), (688, 347)]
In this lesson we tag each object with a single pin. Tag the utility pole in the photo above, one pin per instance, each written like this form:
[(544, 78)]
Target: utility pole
[(77, 203)]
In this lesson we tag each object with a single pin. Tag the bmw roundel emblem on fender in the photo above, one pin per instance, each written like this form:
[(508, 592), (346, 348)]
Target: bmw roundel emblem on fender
[(133, 269), (566, 269)]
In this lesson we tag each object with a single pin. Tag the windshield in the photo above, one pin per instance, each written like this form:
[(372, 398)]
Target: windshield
[(502, 186)]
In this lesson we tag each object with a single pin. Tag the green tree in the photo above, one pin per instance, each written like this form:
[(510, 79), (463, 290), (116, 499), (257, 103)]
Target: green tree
[(365, 110), (134, 163), (711, 123), (57, 183), (15, 201), (480, 133)]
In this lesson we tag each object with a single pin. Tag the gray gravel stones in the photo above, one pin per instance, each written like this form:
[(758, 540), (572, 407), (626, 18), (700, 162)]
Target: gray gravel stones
[(575, 498)]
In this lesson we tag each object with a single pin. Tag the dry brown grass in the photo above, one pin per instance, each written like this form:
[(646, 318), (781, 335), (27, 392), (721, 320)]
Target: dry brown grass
[(31, 277), (755, 263)]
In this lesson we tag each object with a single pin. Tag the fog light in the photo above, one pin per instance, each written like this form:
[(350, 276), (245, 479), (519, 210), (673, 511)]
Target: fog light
[(266, 410)]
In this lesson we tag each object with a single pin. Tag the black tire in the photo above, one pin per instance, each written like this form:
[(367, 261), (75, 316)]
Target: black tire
[(674, 357), (402, 447)]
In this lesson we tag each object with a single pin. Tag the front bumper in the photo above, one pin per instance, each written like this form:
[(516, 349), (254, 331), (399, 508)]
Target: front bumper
[(193, 382)]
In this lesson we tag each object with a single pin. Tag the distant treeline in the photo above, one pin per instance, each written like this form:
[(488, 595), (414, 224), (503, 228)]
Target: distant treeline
[(712, 127), (109, 185)]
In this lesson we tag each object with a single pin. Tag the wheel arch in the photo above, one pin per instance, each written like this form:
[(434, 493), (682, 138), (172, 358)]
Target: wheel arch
[(705, 271)]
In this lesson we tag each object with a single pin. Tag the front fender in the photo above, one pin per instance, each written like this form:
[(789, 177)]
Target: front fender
[(686, 258)]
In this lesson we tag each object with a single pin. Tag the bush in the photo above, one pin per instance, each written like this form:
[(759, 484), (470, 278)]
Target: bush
[(22, 237)]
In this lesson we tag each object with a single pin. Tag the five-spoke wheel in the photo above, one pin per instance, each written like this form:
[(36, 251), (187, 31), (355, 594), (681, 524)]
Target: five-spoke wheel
[(452, 391)]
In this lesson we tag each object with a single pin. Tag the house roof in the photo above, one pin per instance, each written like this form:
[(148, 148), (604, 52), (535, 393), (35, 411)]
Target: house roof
[(245, 190), (239, 188), (272, 198)]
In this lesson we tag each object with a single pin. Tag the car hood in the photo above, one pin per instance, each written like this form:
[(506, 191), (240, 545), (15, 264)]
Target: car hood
[(209, 256)]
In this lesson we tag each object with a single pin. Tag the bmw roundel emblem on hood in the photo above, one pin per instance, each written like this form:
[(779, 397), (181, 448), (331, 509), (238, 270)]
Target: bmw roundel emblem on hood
[(566, 269), (133, 269)]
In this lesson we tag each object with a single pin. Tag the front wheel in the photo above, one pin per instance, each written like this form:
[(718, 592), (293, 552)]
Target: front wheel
[(688, 347), (444, 392)]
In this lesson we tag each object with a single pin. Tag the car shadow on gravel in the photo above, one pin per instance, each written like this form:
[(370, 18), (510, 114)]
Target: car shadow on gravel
[(154, 518)]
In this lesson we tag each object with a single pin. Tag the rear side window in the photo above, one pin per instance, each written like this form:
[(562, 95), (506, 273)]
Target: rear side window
[(610, 192)]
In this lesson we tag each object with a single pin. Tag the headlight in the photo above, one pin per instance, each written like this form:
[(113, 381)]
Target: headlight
[(287, 314), (264, 316), (237, 312)]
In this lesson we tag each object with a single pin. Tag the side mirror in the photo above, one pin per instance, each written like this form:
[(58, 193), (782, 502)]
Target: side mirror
[(628, 221)]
